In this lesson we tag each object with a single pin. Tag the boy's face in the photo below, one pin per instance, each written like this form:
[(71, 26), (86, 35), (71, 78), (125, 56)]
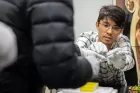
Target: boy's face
[(108, 31)]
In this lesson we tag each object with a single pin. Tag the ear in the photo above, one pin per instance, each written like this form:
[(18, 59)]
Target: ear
[(122, 30), (97, 25)]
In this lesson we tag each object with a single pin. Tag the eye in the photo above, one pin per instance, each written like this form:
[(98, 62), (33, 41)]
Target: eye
[(116, 28), (106, 25)]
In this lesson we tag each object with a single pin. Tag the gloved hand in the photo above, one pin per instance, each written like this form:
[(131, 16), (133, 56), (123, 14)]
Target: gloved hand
[(8, 46), (117, 58), (87, 52), (99, 47)]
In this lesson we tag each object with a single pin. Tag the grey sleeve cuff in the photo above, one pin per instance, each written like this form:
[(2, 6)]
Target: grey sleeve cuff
[(95, 64)]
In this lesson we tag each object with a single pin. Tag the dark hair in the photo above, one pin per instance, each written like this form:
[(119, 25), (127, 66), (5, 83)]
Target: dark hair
[(116, 13)]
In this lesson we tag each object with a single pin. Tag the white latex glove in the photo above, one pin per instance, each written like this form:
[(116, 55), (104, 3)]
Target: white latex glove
[(99, 47), (87, 52), (8, 46), (117, 58)]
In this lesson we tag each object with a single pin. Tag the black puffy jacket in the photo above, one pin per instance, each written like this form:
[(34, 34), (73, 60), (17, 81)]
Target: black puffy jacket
[(46, 50)]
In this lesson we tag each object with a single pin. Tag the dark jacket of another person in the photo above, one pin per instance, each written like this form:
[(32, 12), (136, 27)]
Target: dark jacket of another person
[(46, 50)]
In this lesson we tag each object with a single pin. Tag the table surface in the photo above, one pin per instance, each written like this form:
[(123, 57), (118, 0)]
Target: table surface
[(99, 90)]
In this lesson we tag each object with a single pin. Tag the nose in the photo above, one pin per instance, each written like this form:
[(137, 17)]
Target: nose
[(109, 31)]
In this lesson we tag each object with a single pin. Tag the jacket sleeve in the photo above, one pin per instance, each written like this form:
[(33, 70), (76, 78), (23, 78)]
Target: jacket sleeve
[(54, 51)]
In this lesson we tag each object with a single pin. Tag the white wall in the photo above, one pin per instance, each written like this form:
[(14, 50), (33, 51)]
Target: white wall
[(86, 13)]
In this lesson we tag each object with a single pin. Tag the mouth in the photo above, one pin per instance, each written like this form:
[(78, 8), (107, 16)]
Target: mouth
[(107, 38)]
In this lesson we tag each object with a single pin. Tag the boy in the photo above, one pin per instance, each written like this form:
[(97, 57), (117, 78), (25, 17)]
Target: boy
[(111, 48)]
